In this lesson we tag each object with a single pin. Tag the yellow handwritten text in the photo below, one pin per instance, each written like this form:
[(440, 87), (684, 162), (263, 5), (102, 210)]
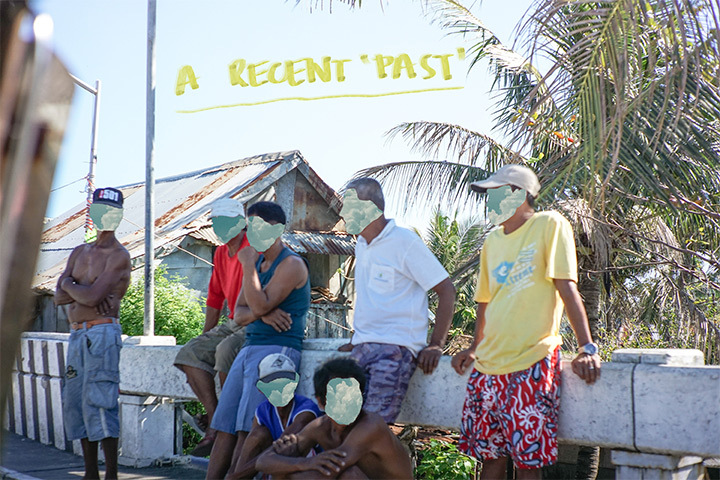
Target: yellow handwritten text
[(326, 69), (257, 74), (403, 63), (185, 75)]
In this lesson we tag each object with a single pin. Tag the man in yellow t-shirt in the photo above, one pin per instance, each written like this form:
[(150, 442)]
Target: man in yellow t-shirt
[(528, 271)]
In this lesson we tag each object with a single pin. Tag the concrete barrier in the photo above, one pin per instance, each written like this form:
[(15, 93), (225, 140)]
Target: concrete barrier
[(644, 402)]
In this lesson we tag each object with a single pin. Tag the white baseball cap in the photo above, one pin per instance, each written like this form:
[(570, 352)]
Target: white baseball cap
[(227, 207), (276, 365), (512, 174)]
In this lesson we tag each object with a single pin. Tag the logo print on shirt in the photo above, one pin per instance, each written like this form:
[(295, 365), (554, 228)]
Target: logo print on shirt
[(502, 271), (523, 268)]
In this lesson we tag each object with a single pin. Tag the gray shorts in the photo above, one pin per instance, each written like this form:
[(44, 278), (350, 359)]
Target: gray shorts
[(91, 384), (213, 350)]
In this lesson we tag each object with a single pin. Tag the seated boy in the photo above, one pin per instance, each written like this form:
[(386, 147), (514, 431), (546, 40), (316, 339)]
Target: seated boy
[(356, 443), (282, 413)]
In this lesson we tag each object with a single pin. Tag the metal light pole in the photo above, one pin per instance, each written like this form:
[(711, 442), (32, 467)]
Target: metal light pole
[(149, 322), (93, 146)]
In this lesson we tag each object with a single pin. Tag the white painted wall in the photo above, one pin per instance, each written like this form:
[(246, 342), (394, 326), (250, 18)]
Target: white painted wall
[(645, 405)]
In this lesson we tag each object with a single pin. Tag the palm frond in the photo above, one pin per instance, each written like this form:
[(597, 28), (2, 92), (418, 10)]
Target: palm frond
[(514, 74), (436, 140), (632, 76), (427, 184)]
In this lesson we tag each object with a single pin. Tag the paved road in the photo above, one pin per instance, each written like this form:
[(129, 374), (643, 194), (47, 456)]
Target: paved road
[(25, 459)]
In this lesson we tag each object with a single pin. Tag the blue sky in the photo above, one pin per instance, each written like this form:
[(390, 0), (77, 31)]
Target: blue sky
[(106, 40)]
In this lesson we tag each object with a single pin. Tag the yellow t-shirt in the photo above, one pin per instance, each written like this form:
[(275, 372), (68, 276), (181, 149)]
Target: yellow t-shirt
[(522, 318)]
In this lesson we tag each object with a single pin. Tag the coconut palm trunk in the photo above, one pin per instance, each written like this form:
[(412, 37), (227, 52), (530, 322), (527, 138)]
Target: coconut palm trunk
[(590, 287)]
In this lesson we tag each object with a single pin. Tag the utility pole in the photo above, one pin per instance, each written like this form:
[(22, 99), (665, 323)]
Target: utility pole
[(149, 321)]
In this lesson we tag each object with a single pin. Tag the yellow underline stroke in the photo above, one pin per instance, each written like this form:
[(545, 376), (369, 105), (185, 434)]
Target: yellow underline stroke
[(305, 99)]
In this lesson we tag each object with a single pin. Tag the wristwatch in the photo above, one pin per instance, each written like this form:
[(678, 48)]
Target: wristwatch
[(589, 348)]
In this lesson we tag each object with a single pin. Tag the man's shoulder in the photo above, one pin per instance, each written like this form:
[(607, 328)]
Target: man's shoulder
[(263, 409), (221, 252), (80, 249), (293, 260), (401, 237), (319, 424), (372, 420), (551, 216), (303, 400), (121, 253)]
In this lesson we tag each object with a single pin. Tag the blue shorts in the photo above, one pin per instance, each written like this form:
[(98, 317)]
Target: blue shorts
[(240, 397), (92, 383)]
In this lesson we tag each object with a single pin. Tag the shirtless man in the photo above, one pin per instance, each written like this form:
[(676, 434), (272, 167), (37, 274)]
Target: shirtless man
[(92, 285), (356, 443)]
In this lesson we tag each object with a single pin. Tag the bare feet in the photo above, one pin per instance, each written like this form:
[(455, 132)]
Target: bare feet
[(204, 447)]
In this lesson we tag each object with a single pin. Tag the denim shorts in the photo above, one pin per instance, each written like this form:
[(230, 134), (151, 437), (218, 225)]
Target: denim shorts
[(388, 369), (92, 383), (240, 397)]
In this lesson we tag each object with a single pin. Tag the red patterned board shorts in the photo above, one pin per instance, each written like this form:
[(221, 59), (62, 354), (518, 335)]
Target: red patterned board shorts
[(514, 415)]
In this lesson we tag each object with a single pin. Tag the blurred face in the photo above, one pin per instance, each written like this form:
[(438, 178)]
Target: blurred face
[(261, 234), (105, 217), (280, 391), (227, 228), (343, 400), (357, 213), (502, 203)]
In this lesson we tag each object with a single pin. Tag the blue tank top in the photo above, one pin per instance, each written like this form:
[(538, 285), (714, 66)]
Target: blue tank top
[(267, 414), (296, 304)]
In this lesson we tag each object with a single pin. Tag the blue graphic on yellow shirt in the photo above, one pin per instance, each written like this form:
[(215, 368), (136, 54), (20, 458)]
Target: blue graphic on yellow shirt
[(502, 271), (517, 275)]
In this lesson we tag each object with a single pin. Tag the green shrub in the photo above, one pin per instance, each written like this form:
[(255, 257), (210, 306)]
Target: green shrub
[(443, 461), (190, 437), (178, 312)]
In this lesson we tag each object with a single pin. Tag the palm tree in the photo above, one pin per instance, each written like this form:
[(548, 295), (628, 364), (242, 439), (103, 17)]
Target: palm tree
[(623, 129), (456, 245)]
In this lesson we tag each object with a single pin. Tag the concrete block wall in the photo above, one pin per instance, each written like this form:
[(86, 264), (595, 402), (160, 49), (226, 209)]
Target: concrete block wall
[(600, 414), (643, 406), (682, 401), (35, 406), (148, 430)]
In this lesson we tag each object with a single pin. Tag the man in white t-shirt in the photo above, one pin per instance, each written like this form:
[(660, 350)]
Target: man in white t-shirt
[(394, 271)]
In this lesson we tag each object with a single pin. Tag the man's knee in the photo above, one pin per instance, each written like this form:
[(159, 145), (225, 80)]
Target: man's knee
[(353, 472), (225, 354)]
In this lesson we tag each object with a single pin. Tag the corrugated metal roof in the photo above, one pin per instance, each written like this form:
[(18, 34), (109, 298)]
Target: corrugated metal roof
[(181, 203), (320, 243)]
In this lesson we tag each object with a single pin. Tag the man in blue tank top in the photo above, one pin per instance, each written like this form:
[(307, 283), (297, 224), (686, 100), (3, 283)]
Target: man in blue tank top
[(272, 305)]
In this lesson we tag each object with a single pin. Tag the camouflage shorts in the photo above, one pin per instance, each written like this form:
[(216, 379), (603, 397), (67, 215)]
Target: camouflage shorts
[(388, 369)]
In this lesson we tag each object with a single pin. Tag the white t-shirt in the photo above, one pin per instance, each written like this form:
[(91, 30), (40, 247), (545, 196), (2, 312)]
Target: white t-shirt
[(392, 277)]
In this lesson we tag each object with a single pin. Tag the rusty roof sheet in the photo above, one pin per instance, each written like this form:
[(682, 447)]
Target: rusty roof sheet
[(179, 202), (320, 243)]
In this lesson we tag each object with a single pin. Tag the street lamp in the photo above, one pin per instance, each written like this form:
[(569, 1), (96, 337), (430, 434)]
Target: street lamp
[(93, 146)]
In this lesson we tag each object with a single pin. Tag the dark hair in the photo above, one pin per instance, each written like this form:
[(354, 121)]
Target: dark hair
[(368, 189), (529, 198), (343, 367), (268, 211)]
